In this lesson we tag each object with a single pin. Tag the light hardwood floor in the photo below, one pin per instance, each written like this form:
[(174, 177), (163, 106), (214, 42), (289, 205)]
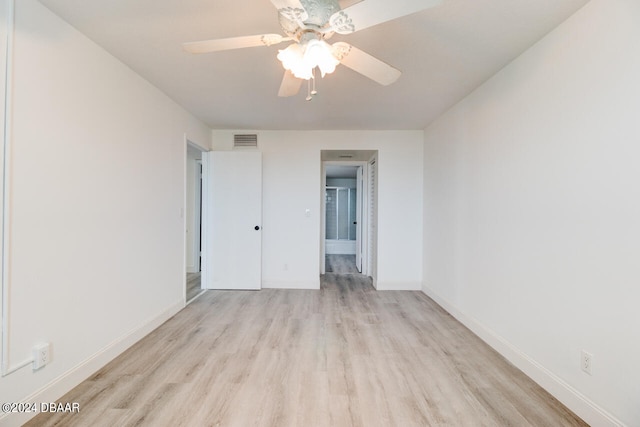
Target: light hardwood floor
[(341, 264), (342, 356)]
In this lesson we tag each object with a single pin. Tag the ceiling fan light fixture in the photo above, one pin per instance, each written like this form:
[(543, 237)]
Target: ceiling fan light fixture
[(319, 54), (302, 59), (292, 59), (309, 23)]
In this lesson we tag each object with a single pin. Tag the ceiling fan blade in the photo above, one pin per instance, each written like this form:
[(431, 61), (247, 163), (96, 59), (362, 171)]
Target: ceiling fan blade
[(368, 13), (365, 64), (290, 85), (207, 46), (291, 9)]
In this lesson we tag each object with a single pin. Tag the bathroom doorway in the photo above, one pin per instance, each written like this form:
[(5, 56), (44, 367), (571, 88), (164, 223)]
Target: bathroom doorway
[(348, 239)]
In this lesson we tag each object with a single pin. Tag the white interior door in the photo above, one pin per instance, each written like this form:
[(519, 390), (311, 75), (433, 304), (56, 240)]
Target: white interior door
[(359, 196), (235, 220)]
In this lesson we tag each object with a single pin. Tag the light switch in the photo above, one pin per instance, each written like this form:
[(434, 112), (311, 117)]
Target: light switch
[(307, 213)]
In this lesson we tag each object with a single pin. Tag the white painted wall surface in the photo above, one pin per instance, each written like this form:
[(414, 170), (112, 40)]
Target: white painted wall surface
[(532, 207), (292, 183), (97, 185)]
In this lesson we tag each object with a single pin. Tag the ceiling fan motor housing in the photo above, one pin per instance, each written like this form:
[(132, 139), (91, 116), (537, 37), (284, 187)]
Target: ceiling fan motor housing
[(318, 11)]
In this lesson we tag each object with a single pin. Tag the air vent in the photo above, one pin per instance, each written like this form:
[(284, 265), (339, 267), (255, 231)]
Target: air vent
[(245, 141)]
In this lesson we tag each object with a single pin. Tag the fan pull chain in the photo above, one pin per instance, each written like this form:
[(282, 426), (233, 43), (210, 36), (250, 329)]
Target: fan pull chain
[(310, 91), (314, 91)]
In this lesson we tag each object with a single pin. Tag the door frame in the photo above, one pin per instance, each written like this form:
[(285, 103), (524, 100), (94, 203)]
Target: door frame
[(203, 215), (364, 220)]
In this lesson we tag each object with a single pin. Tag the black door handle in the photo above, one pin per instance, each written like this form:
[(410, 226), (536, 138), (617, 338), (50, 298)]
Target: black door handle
[(257, 227)]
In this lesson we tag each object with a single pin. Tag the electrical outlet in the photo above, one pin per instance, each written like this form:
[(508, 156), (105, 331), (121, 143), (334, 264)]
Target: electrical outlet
[(41, 355), (586, 361)]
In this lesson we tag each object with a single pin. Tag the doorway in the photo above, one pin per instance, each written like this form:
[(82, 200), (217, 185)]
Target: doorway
[(193, 221), (348, 239), (342, 219)]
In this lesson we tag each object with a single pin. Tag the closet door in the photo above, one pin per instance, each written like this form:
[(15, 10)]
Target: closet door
[(235, 220)]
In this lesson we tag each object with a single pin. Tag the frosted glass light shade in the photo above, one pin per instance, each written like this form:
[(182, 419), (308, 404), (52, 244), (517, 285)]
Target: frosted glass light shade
[(319, 54), (292, 59), (302, 59)]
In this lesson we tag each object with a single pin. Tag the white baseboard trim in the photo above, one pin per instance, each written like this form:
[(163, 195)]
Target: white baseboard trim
[(74, 376), (565, 393), (298, 284), (398, 286)]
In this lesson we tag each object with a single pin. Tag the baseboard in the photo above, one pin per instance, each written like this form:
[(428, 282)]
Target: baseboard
[(565, 393), (398, 286), (70, 379), (298, 284)]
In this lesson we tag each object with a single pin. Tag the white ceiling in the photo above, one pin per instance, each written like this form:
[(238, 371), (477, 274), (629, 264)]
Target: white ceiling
[(444, 53)]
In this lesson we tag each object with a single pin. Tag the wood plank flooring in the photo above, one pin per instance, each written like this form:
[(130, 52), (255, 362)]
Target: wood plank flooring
[(345, 355), (341, 264)]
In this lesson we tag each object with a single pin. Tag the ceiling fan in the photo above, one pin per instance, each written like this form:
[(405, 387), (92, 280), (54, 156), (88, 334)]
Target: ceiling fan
[(309, 23)]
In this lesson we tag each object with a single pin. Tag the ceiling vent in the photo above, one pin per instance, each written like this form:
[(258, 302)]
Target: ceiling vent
[(245, 141)]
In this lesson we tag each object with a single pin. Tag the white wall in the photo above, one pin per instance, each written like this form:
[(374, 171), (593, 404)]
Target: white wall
[(292, 183), (96, 189), (532, 207)]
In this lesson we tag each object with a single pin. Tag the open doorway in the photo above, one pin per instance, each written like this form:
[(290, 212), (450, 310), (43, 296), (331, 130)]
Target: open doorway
[(348, 240), (193, 222), (343, 219)]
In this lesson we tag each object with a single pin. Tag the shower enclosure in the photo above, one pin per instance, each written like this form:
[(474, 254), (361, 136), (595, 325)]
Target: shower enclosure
[(340, 231)]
